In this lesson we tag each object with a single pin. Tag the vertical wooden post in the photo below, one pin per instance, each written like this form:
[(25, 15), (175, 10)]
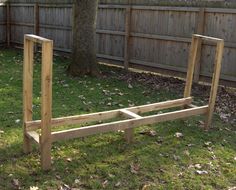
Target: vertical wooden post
[(215, 82), (191, 65), (127, 37), (8, 25), (129, 133), (46, 104), (36, 19), (200, 30), (27, 90)]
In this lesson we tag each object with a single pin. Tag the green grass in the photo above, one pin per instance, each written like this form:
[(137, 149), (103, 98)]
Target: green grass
[(104, 161)]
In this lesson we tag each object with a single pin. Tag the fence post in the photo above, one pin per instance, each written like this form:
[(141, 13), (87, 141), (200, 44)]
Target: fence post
[(200, 30), (127, 36), (36, 19), (8, 25)]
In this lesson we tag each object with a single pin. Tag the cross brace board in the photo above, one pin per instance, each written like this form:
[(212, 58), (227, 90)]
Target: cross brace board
[(132, 117)]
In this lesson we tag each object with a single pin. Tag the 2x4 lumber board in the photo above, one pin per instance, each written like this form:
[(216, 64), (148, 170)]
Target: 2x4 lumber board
[(33, 135), (46, 102), (161, 105), (207, 38), (200, 30), (100, 116), (77, 119), (27, 91), (37, 39), (129, 114), (191, 66), (126, 124), (215, 83)]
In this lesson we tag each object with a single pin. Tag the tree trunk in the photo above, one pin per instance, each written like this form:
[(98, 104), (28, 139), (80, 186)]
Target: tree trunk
[(84, 30)]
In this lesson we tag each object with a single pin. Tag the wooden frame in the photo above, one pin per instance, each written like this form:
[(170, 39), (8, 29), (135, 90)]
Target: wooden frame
[(132, 118)]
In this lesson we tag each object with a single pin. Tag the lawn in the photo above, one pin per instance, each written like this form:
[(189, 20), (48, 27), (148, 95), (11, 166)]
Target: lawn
[(157, 159)]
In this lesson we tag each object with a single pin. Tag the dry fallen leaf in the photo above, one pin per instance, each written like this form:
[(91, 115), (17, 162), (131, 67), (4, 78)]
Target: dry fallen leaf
[(151, 133), (105, 183), (118, 184), (77, 181), (179, 135), (34, 188), (146, 187), (186, 152), (65, 187), (134, 168), (69, 159), (208, 143), (16, 183), (201, 172), (198, 166), (130, 86), (17, 121)]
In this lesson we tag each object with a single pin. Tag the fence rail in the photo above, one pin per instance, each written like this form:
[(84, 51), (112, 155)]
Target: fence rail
[(147, 36)]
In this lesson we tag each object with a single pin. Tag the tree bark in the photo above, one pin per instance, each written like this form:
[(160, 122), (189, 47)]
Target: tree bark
[(84, 30)]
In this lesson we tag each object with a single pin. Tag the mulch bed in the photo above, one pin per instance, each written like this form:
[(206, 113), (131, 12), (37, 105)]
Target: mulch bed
[(226, 97)]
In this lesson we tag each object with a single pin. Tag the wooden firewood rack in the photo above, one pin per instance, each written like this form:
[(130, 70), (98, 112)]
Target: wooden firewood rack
[(40, 131)]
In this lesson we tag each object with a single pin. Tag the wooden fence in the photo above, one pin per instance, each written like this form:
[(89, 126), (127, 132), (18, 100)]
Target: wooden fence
[(147, 36)]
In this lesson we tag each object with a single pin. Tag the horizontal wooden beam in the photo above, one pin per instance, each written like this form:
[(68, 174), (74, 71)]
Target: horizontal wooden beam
[(116, 58), (161, 105), (21, 5), (166, 8), (127, 124), (101, 116), (129, 114), (33, 136), (36, 39), (207, 38), (161, 37), (111, 32), (22, 24)]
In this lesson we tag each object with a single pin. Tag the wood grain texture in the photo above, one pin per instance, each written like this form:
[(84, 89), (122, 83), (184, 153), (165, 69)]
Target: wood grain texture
[(27, 91), (46, 104)]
